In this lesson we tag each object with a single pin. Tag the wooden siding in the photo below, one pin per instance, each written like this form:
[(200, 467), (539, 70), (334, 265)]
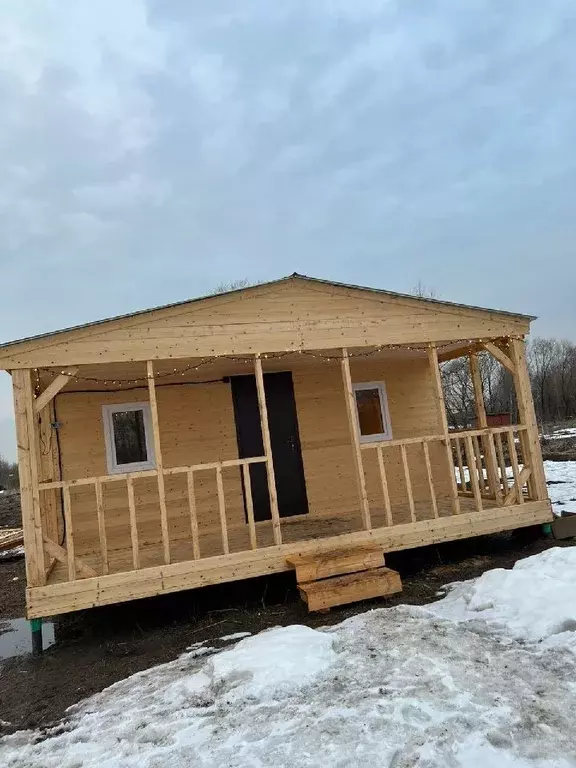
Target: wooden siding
[(197, 425), (290, 315)]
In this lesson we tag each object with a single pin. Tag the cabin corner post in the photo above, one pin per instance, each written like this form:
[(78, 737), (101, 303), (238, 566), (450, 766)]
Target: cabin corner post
[(487, 439), (263, 408), (443, 419), (527, 417), (355, 437), (27, 441), (159, 462)]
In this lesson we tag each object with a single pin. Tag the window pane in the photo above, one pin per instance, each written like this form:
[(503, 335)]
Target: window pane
[(369, 411), (129, 436)]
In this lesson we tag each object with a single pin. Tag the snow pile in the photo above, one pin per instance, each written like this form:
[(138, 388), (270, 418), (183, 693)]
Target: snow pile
[(462, 683), (533, 601), (561, 482), (561, 434)]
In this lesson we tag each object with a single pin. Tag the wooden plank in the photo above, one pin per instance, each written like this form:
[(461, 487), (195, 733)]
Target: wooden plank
[(472, 472), (60, 554), (454, 354), (531, 443), (488, 439), (159, 463), (479, 465), (222, 510), (502, 358), (263, 409), (69, 533), (133, 524), (355, 438), (409, 494), (441, 410), (515, 467), (336, 562), (10, 537), (430, 479), (384, 485), (351, 588), (29, 479), (522, 479), (45, 397), (501, 462), (193, 514), (101, 526), (249, 506), (463, 484), (403, 441), (491, 466), (63, 597)]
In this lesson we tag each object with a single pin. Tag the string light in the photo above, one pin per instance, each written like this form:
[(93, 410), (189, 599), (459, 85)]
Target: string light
[(268, 356)]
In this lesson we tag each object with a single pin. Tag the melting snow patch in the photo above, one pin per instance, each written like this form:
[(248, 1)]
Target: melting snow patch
[(235, 636)]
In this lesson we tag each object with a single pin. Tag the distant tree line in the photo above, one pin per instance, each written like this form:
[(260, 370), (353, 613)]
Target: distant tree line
[(8, 474), (552, 368)]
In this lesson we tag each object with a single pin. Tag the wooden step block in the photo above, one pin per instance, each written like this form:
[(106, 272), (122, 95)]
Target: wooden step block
[(336, 562), (351, 588)]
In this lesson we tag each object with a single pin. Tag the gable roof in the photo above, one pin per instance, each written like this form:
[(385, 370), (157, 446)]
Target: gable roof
[(293, 277)]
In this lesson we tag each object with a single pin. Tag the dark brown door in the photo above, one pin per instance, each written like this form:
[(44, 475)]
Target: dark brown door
[(284, 437)]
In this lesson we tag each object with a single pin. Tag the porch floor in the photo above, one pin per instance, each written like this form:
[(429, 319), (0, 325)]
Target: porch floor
[(294, 529)]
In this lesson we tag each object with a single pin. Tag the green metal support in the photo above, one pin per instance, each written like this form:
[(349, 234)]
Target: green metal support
[(36, 628)]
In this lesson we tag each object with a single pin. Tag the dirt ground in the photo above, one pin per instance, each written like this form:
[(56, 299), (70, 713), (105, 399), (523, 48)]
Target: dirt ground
[(96, 648)]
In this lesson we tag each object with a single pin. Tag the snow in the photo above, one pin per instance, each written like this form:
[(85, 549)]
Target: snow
[(533, 601), (560, 434), (561, 479), (484, 677), (235, 636)]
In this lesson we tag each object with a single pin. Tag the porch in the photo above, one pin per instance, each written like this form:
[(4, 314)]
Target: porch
[(122, 535)]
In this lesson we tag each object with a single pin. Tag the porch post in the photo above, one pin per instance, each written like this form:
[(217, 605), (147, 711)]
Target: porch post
[(267, 450), (441, 407), (159, 462), (529, 439), (355, 437), (27, 439), (486, 440)]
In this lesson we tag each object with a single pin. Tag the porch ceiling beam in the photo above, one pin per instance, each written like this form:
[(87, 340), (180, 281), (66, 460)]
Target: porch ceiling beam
[(46, 397), (453, 354), (501, 356)]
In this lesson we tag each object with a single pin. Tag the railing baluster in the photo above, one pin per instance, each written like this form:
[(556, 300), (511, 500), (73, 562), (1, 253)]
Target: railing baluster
[(101, 526), (408, 483), (193, 515), (249, 505), (463, 486), (430, 480), (222, 509), (384, 484), (479, 465), (472, 472), (70, 553), (133, 523), (515, 467), (502, 463)]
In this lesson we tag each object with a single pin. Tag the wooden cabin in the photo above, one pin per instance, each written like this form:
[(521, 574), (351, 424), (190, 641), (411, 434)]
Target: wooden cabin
[(294, 424)]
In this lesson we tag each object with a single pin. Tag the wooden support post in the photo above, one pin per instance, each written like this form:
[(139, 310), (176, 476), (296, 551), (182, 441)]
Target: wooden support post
[(355, 437), (487, 443), (52, 389), (441, 407), (430, 478), (268, 450), (159, 463), (384, 483), (28, 472), (471, 470), (502, 358), (408, 482), (249, 505), (101, 526), (193, 514), (222, 510), (530, 440)]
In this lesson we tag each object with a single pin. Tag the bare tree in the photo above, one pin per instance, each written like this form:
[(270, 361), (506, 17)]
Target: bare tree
[(8, 474), (234, 285), (423, 291)]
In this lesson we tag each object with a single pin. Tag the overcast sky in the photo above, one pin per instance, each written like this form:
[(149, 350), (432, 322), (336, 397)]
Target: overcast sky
[(150, 151)]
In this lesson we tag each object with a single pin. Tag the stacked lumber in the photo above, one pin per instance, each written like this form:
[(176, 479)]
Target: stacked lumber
[(10, 537), (339, 577)]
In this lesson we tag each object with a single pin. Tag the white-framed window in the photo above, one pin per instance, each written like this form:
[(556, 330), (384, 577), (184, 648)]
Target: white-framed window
[(128, 436), (372, 411)]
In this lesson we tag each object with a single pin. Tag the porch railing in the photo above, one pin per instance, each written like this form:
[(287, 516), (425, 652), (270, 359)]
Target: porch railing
[(76, 567)]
